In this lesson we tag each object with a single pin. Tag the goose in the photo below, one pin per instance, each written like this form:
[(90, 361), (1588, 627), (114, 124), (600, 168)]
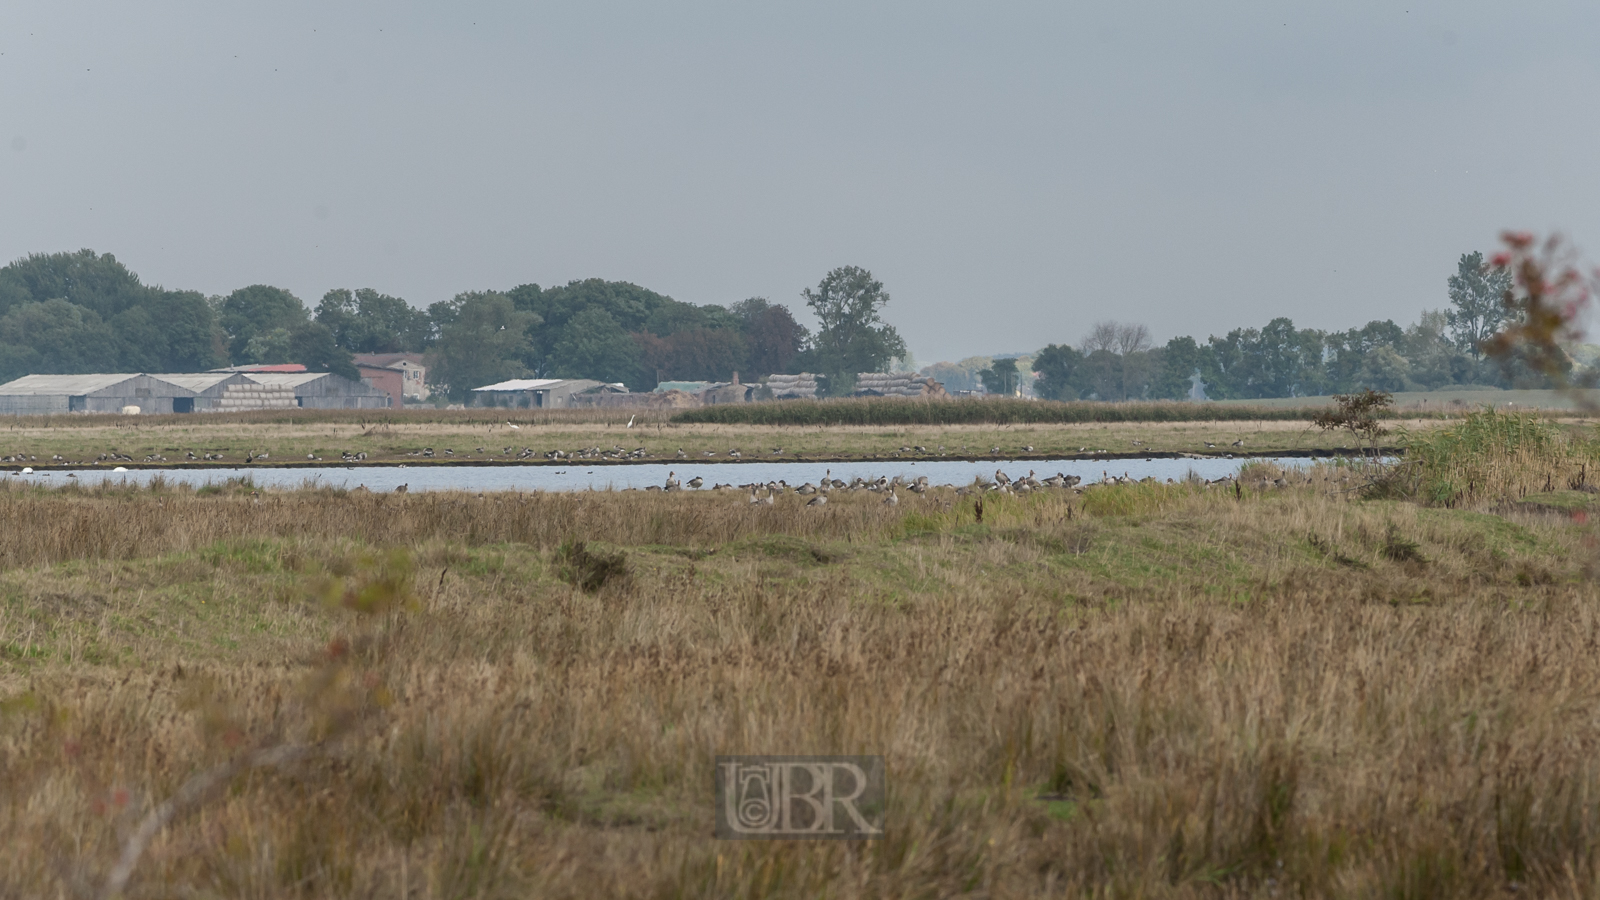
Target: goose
[(767, 500), (1239, 442), (1209, 444), (696, 481), (672, 482), (893, 499), (753, 498), (806, 489), (1001, 478), (681, 454), (403, 488), (818, 500)]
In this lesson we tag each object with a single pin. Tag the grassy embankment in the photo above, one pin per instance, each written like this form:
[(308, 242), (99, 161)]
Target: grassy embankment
[(861, 429), (1140, 690)]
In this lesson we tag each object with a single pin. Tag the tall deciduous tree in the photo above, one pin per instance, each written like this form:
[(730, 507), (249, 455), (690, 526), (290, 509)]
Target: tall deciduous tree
[(1476, 293), (1001, 377), (1060, 371), (484, 342), (594, 345), (772, 336), (366, 321), (254, 310), (852, 336)]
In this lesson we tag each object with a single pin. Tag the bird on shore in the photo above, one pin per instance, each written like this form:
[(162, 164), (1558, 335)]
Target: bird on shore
[(513, 427), (630, 422), (1239, 442)]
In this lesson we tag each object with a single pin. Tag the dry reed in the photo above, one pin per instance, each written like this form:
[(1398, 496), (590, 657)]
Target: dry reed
[(1182, 692)]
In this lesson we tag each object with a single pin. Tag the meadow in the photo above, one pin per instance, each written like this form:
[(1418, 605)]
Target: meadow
[(886, 429), (1259, 689)]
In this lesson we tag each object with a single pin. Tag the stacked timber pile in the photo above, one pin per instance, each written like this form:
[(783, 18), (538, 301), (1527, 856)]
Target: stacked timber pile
[(803, 386), (878, 384), (241, 397)]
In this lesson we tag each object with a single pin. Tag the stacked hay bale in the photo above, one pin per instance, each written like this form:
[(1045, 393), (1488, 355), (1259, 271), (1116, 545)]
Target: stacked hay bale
[(903, 384), (803, 386), (242, 397)]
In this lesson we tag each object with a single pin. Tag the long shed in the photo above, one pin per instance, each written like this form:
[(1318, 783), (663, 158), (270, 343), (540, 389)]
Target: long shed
[(42, 394)]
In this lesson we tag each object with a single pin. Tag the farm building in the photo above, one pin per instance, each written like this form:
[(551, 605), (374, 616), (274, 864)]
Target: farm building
[(231, 392), (534, 393), (40, 394), (323, 390), (401, 375)]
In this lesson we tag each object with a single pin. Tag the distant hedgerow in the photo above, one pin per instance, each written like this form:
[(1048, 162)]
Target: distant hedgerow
[(994, 411)]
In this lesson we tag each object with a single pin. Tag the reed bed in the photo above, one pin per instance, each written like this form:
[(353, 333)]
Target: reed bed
[(1146, 690), (1491, 457)]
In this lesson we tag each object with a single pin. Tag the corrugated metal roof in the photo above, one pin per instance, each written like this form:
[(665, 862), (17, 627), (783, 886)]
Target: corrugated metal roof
[(285, 379), (522, 384), (197, 381), (70, 385)]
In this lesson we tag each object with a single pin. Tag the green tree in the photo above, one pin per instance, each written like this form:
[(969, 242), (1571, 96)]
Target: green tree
[(312, 345), (484, 342), (96, 282), (1001, 377), (1476, 292), (366, 321), (53, 337), (249, 311), (1181, 359), (594, 345), (1060, 371), (772, 337), (268, 348), (851, 337)]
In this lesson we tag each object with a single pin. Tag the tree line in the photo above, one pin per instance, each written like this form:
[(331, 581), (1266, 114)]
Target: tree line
[(67, 313), (1116, 361)]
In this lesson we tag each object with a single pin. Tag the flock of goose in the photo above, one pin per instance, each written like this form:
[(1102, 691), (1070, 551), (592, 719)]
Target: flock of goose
[(817, 494)]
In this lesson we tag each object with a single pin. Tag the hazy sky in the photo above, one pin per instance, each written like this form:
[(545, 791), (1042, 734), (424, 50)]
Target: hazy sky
[(1012, 172)]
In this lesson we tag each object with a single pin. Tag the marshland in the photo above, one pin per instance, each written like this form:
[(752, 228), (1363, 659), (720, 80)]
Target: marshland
[(1344, 680)]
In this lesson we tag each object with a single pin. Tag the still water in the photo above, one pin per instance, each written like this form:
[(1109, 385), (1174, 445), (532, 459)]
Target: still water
[(620, 477)]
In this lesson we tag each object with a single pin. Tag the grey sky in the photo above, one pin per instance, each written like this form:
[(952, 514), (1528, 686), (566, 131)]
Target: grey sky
[(1012, 172)]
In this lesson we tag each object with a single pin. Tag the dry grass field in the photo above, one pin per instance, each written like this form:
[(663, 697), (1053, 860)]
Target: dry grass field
[(1140, 690), (404, 438)]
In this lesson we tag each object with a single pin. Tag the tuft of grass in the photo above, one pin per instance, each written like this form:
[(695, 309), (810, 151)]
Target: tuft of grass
[(590, 570)]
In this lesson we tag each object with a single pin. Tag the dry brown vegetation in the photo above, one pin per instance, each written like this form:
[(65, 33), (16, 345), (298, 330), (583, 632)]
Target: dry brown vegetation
[(1140, 691)]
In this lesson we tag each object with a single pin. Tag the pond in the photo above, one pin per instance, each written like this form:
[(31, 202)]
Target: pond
[(621, 477)]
